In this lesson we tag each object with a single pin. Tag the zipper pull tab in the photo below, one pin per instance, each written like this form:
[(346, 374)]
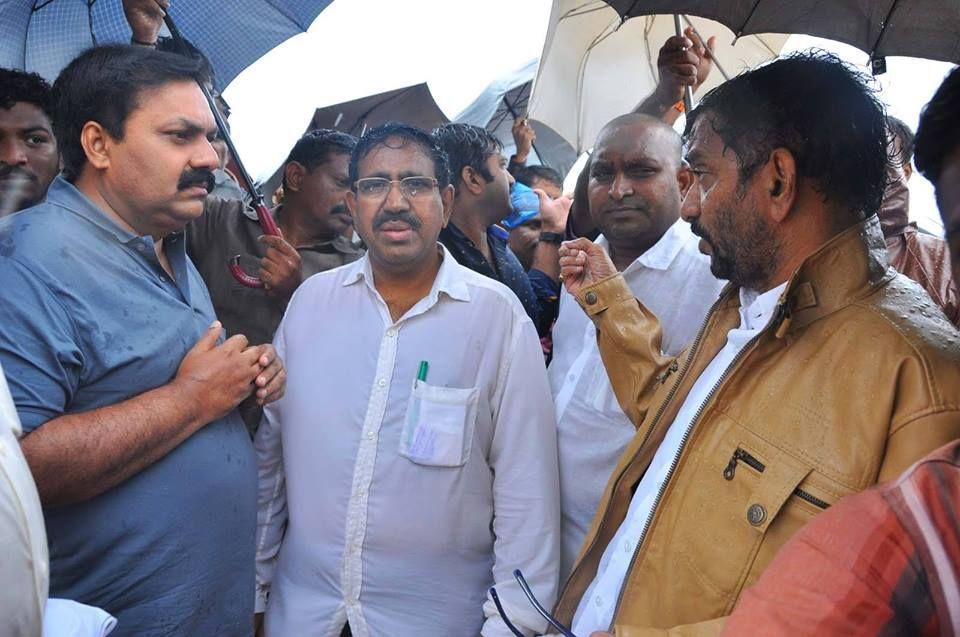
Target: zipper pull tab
[(731, 468), (785, 318), (666, 374)]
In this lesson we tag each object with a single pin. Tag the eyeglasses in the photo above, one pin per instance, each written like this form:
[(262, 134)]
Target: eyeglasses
[(553, 621), (410, 187)]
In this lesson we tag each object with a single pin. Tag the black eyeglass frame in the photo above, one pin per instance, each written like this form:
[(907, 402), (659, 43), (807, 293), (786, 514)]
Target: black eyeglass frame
[(553, 621)]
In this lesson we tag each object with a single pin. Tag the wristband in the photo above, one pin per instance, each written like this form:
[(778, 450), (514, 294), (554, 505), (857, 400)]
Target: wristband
[(137, 42), (551, 237)]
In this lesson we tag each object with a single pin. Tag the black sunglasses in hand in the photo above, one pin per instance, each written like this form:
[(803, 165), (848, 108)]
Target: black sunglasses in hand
[(566, 632)]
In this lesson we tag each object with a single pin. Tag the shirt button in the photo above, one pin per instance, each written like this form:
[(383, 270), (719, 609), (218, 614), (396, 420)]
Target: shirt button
[(590, 298), (382, 382), (598, 600), (141, 247), (391, 332), (371, 435), (756, 514)]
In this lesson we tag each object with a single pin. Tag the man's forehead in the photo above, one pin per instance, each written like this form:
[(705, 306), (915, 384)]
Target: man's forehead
[(703, 142), (635, 141), (182, 100), (396, 157), (24, 115)]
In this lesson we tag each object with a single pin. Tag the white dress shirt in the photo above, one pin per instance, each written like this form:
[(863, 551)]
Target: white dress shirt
[(598, 604), (396, 503), (674, 281), (24, 564)]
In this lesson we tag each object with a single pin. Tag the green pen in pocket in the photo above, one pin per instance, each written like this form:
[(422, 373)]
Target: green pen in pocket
[(415, 415)]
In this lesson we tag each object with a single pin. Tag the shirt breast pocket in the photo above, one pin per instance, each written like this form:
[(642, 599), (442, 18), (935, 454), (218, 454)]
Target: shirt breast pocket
[(438, 430)]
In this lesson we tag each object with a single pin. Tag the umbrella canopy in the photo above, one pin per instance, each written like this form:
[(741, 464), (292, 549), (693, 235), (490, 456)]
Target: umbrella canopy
[(918, 28), (506, 99), (596, 66), (412, 105), (44, 35)]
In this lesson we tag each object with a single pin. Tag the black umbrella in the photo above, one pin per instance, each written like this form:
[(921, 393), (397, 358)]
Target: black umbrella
[(918, 28)]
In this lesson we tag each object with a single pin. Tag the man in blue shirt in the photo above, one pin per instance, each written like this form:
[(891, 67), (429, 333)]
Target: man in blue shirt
[(116, 364), (482, 182)]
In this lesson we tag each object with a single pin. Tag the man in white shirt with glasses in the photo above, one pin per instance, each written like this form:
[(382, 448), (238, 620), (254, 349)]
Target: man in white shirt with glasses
[(412, 463)]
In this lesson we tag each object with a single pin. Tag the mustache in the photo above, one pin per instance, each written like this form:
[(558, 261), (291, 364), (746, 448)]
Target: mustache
[(13, 170), (697, 228), (405, 216), (340, 209), (191, 178)]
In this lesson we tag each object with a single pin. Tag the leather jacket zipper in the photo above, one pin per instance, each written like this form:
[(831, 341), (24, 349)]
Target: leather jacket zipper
[(778, 314), (741, 455)]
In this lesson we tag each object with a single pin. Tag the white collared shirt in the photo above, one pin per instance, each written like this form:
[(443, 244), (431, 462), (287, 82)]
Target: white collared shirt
[(673, 280), (598, 604), (25, 572), (396, 504)]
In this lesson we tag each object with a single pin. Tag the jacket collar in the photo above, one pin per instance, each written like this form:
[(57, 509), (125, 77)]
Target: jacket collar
[(847, 268)]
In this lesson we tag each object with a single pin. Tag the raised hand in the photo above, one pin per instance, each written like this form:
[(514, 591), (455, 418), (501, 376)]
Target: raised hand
[(583, 263)]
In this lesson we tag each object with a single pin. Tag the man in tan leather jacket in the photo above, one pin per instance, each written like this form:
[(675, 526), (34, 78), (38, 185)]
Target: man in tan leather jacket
[(818, 373)]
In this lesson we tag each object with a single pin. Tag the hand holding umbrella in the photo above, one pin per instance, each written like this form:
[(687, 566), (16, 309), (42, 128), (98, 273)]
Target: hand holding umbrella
[(683, 61)]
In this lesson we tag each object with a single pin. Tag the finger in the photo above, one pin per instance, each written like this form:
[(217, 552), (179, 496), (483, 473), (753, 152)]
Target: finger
[(580, 244), (268, 355), (208, 340), (676, 43), (274, 386), (236, 343), (711, 47), (278, 244)]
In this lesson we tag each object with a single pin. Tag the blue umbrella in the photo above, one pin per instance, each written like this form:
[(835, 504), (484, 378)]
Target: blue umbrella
[(44, 35)]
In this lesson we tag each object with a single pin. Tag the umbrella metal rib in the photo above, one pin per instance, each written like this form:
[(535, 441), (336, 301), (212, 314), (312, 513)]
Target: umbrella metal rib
[(883, 27)]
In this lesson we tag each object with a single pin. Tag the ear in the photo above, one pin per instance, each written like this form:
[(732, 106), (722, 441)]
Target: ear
[(446, 196), (473, 181), (684, 180), (780, 182), (351, 200), (294, 172), (96, 142), (907, 171)]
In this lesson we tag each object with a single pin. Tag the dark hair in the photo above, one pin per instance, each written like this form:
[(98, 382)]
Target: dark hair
[(818, 108), (467, 145), (899, 129), (378, 137), (103, 84), (316, 147), (938, 135), (527, 174), (17, 86), (169, 45)]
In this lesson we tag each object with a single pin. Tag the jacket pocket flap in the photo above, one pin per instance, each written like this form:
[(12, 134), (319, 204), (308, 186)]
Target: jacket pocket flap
[(781, 476)]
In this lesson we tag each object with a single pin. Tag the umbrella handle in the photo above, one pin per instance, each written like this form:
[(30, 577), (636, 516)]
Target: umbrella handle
[(267, 223), (688, 90), (269, 227)]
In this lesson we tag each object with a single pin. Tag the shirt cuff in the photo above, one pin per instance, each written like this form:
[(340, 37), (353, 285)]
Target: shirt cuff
[(599, 296)]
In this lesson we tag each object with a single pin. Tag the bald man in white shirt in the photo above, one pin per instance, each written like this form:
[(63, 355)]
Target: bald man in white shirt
[(635, 186)]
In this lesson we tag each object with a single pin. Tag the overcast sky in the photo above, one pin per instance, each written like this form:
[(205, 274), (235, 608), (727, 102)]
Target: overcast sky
[(363, 47)]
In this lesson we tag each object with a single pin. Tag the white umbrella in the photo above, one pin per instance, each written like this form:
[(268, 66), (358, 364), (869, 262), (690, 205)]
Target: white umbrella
[(596, 66)]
